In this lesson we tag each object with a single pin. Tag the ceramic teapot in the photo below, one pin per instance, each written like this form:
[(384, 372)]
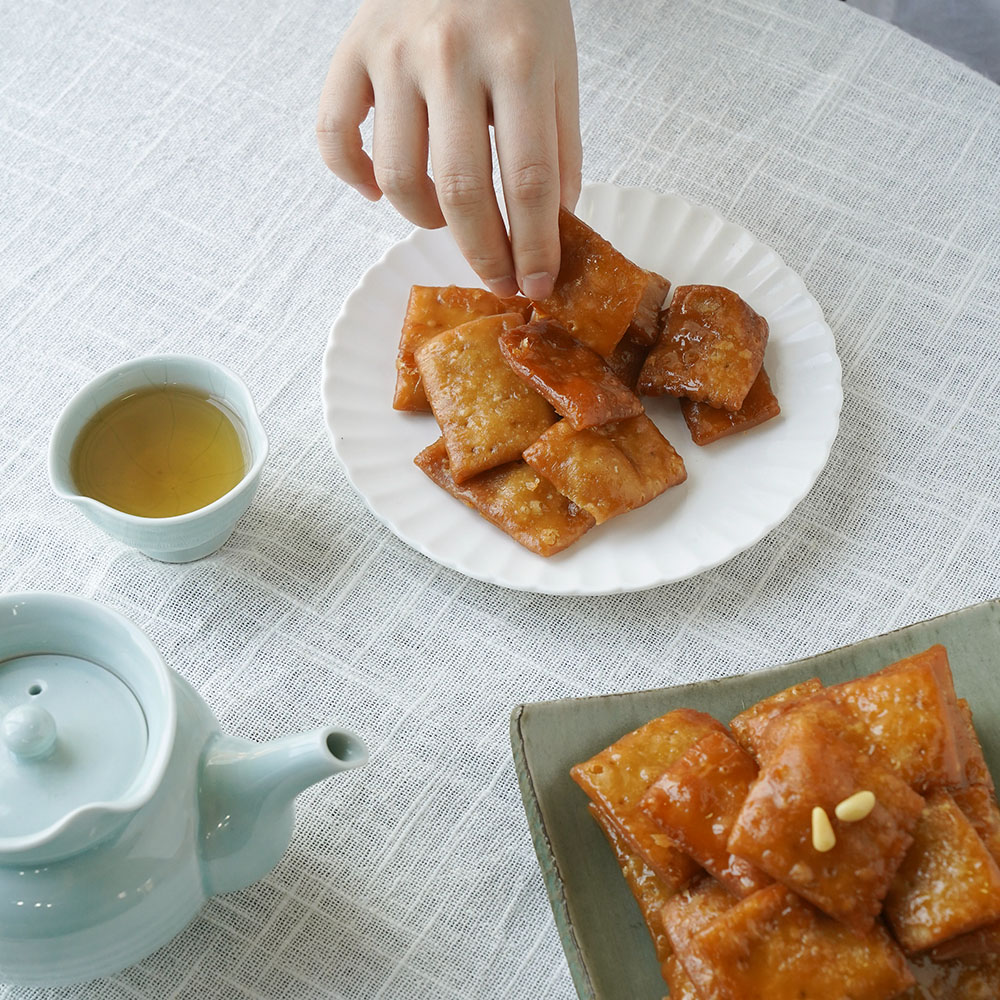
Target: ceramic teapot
[(122, 805)]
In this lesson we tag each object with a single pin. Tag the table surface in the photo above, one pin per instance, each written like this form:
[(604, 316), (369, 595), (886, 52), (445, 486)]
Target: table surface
[(160, 190)]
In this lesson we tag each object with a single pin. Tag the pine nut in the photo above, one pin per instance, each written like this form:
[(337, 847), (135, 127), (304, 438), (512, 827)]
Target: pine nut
[(855, 807), (824, 838)]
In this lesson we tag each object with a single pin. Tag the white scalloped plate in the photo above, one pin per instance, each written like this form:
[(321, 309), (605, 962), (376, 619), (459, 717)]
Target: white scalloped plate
[(737, 489)]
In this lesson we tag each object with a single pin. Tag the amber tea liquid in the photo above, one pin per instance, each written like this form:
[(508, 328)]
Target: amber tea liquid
[(160, 451)]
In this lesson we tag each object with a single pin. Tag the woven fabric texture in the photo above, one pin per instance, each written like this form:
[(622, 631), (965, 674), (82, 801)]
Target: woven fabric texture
[(160, 190)]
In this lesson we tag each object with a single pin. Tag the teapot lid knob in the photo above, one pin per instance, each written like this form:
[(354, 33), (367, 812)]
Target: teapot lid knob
[(29, 731)]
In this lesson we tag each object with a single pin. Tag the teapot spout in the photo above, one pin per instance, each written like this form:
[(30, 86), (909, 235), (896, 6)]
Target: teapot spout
[(247, 797)]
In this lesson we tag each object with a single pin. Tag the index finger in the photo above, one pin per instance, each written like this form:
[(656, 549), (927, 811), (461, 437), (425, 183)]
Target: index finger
[(344, 104)]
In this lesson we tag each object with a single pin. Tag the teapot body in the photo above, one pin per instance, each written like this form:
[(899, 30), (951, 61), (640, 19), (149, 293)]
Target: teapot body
[(122, 805), (94, 913)]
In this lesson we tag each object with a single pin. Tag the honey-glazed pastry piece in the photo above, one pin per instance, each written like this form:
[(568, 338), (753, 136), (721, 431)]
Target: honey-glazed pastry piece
[(645, 885), (820, 712), (948, 883), (814, 769), (616, 778), (689, 912), (514, 498), (910, 711), (749, 726), (487, 415), (696, 801), (711, 349), (707, 424), (775, 946), (574, 379), (626, 361), (431, 311), (597, 291), (649, 316), (608, 470)]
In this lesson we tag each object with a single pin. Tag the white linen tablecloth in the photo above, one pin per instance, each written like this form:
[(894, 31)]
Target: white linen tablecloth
[(160, 190)]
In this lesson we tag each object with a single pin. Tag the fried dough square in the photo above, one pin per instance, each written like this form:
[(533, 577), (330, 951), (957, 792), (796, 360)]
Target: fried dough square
[(749, 726), (819, 712), (708, 424), (979, 806), (431, 311), (774, 946), (910, 710), (815, 767), (574, 379), (948, 883), (617, 778), (689, 912), (626, 361), (487, 415), (597, 291), (711, 349), (514, 498), (696, 801), (648, 319), (649, 892), (608, 470)]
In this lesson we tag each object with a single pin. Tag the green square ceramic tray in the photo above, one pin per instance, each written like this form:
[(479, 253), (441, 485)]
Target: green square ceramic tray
[(607, 946)]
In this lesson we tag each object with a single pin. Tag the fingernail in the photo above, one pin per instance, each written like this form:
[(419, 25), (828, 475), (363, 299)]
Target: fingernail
[(504, 287), (538, 286), (371, 192)]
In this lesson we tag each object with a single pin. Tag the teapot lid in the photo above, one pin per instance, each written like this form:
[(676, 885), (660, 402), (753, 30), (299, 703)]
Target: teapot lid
[(71, 733)]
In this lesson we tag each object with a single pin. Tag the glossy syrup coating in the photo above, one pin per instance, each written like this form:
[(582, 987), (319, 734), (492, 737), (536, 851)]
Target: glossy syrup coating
[(815, 767), (649, 890), (514, 498), (748, 727), (598, 290), (487, 415), (608, 470), (708, 424), (649, 315), (948, 883), (430, 311), (910, 710), (574, 379), (627, 359), (616, 778), (711, 349), (775, 946), (696, 802)]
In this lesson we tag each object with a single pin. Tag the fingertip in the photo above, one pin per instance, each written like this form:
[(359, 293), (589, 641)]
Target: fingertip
[(504, 287), (370, 191), (537, 286)]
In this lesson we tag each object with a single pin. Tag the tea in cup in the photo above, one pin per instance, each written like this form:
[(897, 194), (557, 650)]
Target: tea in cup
[(163, 453)]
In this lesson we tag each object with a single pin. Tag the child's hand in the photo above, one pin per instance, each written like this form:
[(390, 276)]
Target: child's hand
[(438, 73)]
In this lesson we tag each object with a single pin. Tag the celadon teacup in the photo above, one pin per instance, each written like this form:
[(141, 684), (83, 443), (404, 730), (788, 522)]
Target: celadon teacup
[(184, 537)]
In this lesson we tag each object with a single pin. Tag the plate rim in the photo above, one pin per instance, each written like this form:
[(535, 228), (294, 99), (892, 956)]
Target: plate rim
[(555, 885), (577, 588)]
